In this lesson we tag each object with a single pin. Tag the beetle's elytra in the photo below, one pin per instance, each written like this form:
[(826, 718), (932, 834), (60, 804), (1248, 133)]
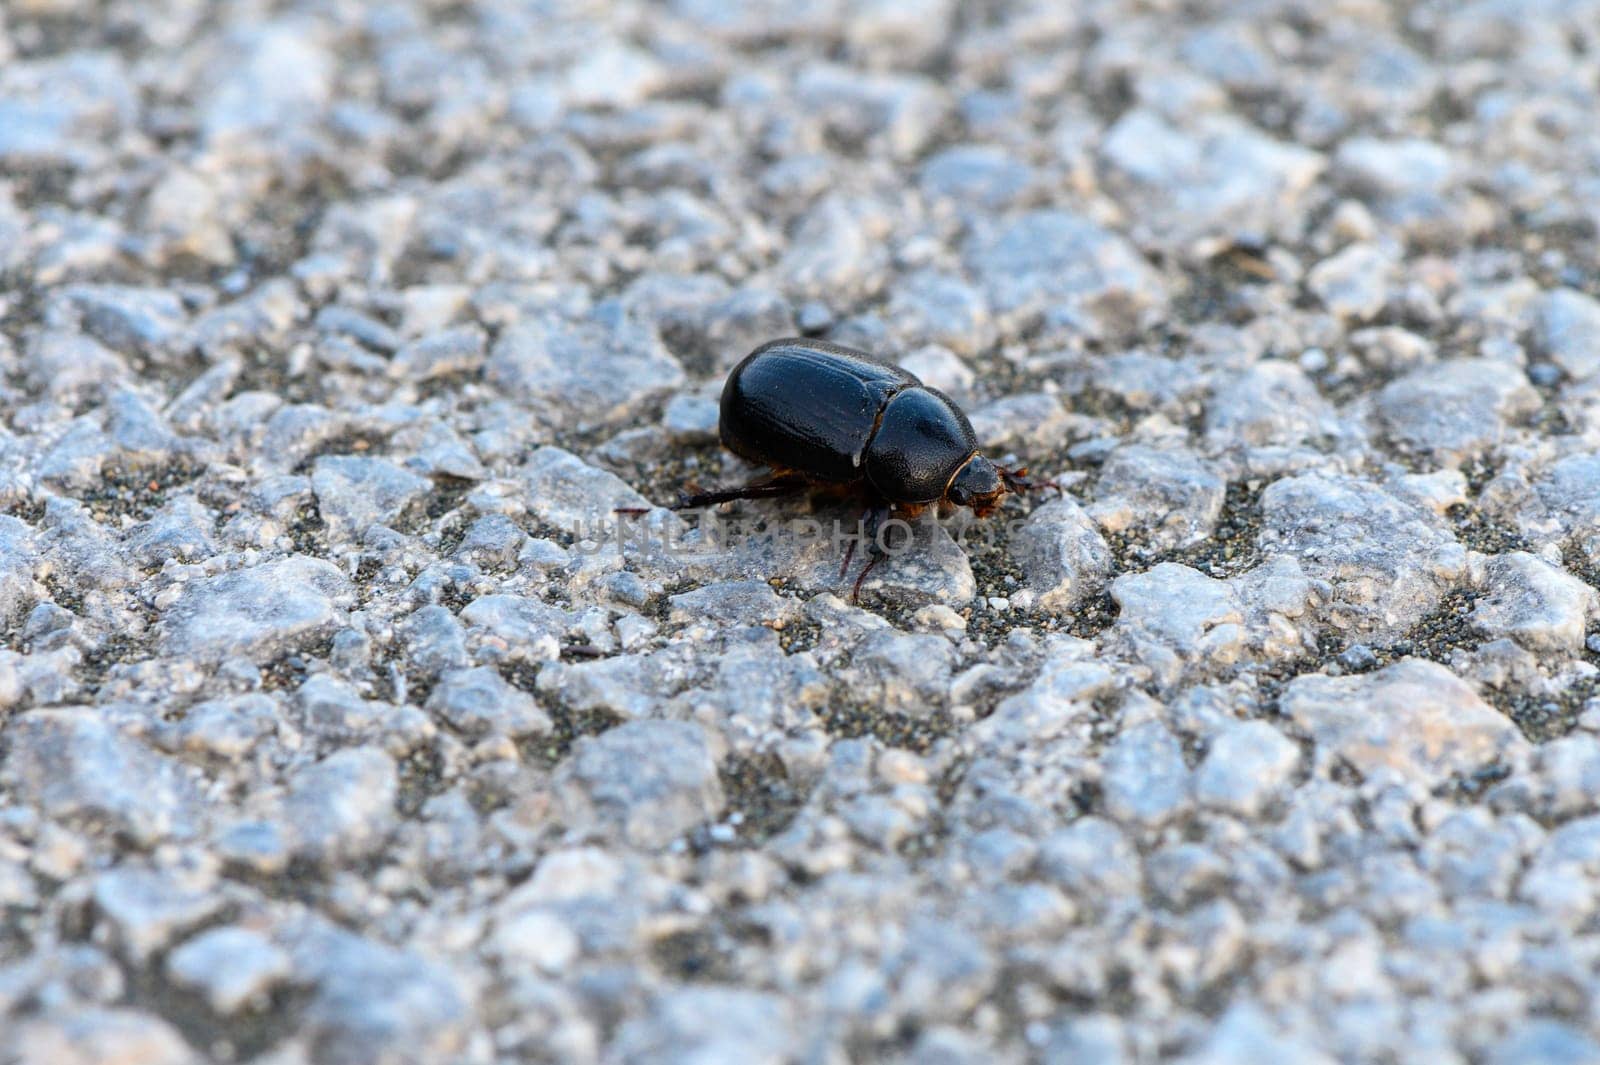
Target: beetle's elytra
[(825, 416)]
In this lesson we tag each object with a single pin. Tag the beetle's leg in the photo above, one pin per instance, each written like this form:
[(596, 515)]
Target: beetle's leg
[(758, 490), (876, 516), (866, 529)]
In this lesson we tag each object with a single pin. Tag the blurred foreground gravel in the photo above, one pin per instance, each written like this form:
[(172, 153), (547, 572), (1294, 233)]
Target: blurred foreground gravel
[(326, 328)]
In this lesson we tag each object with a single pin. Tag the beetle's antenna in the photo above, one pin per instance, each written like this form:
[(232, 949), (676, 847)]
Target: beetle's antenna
[(1018, 481)]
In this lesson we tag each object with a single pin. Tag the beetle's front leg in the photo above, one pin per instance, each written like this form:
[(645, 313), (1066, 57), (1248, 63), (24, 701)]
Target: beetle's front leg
[(874, 518), (866, 529)]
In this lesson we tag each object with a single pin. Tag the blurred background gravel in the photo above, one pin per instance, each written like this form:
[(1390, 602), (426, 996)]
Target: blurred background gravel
[(326, 327)]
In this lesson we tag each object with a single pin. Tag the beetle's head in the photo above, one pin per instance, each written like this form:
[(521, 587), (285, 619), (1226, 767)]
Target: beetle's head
[(979, 485)]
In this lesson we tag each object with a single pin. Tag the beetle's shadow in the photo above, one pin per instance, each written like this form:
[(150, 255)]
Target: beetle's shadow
[(805, 541)]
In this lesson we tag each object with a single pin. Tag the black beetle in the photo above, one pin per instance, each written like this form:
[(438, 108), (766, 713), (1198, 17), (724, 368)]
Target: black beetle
[(830, 417)]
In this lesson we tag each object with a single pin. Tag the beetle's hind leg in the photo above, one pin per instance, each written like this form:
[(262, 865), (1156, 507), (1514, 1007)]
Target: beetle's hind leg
[(781, 485)]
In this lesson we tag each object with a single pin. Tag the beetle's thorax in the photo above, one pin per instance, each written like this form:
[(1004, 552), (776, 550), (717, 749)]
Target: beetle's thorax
[(922, 440)]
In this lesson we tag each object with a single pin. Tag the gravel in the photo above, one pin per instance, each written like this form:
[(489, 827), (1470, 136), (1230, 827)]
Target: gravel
[(343, 718)]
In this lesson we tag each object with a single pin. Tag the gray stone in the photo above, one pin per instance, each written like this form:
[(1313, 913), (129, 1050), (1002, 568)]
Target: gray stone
[(1553, 880), (36, 134), (565, 492), (1566, 327), (926, 566), (147, 908), (371, 1002), (1393, 169), (613, 76), (740, 322), (732, 603), (1063, 263), (1271, 403), (979, 174), (233, 967), (341, 808), (936, 308), (262, 316), (834, 256), (1569, 493), (1031, 420), (278, 78), (1386, 561), (624, 687), (1092, 859), (900, 111), (1146, 781), (1207, 180), (87, 1034), (77, 459), (1539, 605), (292, 433), (140, 433), (18, 556), (1246, 766), (1411, 183), (66, 364), (1543, 1041), (1168, 498), (709, 1024), (1354, 284), (1390, 348), (75, 765), (1061, 551), (517, 628), (493, 541), (597, 372), (940, 962), (437, 451), (907, 673), (1246, 1036), (478, 701), (257, 612), (940, 368), (336, 321), (180, 530), (334, 711), (1455, 409), (131, 319), (449, 351), (691, 419), (1175, 617), (1414, 719), (434, 640), (535, 937), (183, 212), (645, 782), (1566, 776), (227, 729), (355, 492)]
